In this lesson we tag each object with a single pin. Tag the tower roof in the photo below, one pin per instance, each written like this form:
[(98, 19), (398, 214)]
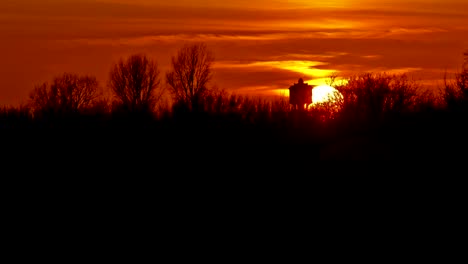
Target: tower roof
[(300, 93)]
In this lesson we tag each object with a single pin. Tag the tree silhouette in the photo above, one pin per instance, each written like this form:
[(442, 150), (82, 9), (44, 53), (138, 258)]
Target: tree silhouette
[(461, 80), (190, 74), (68, 94), (372, 96), (135, 83), (455, 92)]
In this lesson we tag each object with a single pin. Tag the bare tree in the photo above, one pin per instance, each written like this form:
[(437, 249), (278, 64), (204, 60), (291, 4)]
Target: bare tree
[(68, 93), (135, 83), (375, 96), (455, 92), (190, 74)]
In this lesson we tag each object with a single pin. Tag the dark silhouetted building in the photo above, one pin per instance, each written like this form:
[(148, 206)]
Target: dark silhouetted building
[(300, 95)]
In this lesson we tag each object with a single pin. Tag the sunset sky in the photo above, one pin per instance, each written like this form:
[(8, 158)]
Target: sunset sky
[(261, 47)]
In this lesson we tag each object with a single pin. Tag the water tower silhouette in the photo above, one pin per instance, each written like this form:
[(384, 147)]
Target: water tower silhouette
[(300, 95)]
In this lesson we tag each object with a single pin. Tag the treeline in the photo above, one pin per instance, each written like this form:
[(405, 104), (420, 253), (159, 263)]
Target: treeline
[(181, 107), (138, 91)]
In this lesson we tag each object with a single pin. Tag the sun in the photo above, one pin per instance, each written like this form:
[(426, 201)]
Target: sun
[(325, 93)]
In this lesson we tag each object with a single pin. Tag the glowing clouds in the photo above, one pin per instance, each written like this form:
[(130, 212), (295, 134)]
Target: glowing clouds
[(310, 69)]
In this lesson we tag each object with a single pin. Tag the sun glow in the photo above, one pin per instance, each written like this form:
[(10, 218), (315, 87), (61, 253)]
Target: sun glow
[(325, 93)]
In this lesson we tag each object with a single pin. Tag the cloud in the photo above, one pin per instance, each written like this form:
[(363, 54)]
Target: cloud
[(253, 81), (265, 46), (269, 77)]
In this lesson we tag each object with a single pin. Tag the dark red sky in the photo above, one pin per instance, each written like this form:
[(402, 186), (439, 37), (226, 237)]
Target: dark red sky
[(260, 46)]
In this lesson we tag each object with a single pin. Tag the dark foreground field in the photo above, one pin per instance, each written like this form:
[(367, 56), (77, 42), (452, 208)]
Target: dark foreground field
[(435, 137)]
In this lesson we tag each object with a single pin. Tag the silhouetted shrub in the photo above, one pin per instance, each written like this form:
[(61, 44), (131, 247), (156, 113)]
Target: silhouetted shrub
[(372, 97), (15, 117), (455, 91), (68, 95)]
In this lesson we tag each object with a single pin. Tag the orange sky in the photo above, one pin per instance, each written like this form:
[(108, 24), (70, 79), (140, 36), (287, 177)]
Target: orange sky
[(260, 46)]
